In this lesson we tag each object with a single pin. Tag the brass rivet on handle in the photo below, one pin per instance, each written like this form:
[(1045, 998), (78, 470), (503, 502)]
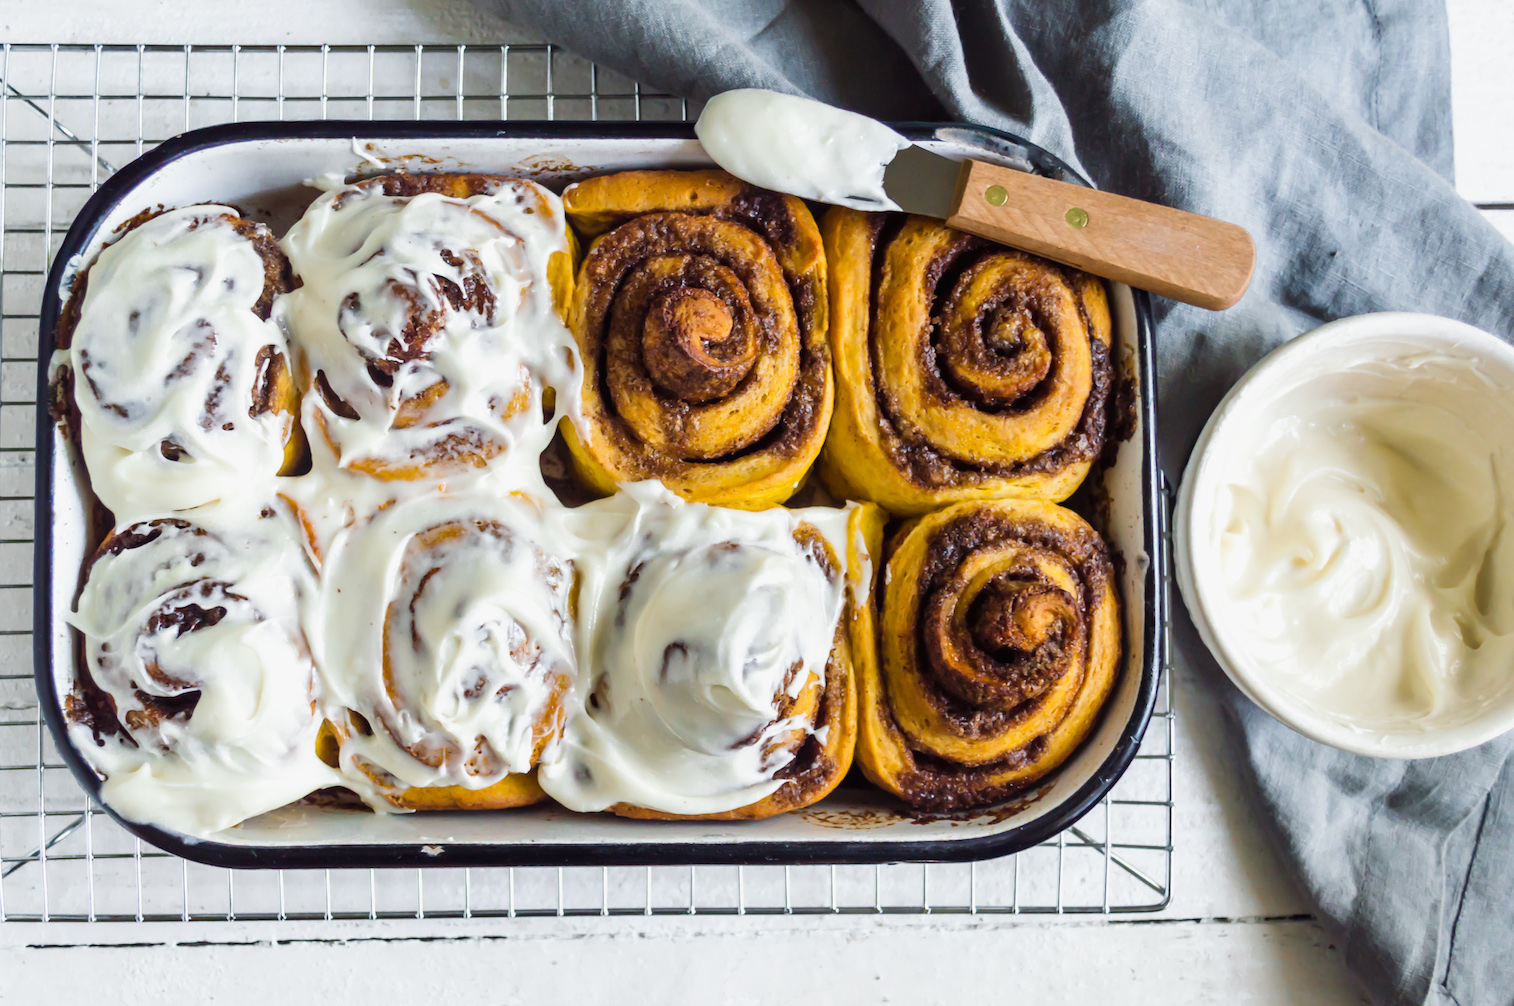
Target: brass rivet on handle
[(995, 195), (1077, 217)]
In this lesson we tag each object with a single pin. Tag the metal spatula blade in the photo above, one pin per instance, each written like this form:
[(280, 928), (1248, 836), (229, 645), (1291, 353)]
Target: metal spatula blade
[(814, 151)]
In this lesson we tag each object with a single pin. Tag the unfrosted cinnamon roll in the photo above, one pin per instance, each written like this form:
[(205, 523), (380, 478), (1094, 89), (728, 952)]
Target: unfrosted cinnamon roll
[(700, 316), (428, 320), (197, 695), (964, 369), (717, 659), (181, 387), (1000, 641), (446, 637)]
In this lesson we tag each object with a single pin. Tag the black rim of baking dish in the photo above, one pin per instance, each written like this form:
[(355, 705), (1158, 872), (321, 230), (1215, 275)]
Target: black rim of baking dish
[(756, 851)]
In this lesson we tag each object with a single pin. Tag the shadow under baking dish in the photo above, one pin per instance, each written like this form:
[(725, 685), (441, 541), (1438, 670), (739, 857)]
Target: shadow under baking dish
[(260, 167)]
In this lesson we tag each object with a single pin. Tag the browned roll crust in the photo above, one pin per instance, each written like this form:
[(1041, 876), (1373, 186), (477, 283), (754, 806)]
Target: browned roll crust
[(700, 314), (1000, 641), (964, 369)]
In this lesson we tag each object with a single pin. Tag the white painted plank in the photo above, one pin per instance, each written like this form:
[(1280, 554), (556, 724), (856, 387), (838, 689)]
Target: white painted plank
[(820, 961), (1503, 220), (1482, 98), (1223, 864)]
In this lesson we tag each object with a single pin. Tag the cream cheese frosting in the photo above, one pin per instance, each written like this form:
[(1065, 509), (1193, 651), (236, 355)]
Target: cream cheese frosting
[(695, 622), (456, 626), (475, 272), (445, 624), (193, 626), (166, 356), (1357, 540), (801, 146)]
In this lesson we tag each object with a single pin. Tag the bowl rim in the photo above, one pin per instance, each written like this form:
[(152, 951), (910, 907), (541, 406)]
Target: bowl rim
[(1364, 328)]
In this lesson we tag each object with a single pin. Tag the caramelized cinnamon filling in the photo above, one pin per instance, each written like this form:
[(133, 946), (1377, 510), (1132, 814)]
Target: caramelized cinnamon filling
[(692, 348), (992, 346), (996, 654), (699, 318)]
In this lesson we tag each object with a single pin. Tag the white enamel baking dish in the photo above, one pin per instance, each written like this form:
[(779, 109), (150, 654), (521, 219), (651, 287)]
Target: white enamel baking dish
[(261, 167)]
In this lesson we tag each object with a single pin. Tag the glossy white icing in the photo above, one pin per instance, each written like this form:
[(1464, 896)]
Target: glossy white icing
[(478, 627), (431, 319), (1355, 555), (445, 623), (800, 146), (193, 625), (166, 358), (694, 622)]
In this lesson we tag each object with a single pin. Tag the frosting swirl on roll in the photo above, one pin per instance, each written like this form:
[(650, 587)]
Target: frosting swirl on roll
[(181, 382), (198, 705), (428, 319), (708, 638), (446, 628)]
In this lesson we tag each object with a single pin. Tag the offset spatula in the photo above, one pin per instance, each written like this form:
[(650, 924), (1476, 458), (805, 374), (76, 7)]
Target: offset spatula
[(818, 152)]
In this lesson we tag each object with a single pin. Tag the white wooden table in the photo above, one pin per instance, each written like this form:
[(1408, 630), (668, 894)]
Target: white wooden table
[(1237, 929)]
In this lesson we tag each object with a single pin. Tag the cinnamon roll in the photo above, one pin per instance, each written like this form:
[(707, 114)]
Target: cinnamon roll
[(446, 638), (717, 659), (177, 382), (196, 698), (700, 316), (428, 321), (1000, 642), (964, 369)]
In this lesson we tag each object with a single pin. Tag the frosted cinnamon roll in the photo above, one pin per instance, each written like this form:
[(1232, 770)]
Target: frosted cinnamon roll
[(446, 637), (964, 369), (428, 320), (700, 317), (197, 693), (716, 655), (999, 643), (181, 385)]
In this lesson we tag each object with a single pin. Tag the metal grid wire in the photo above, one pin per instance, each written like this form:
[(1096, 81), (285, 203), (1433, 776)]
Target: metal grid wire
[(69, 117)]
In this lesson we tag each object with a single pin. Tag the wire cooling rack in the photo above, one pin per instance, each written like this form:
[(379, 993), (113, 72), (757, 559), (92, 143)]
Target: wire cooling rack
[(70, 116)]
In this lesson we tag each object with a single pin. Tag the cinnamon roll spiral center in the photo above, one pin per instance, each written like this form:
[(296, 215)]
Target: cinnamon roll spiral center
[(701, 342), (692, 348), (1003, 628), (986, 355), (1018, 616), (995, 344), (403, 320)]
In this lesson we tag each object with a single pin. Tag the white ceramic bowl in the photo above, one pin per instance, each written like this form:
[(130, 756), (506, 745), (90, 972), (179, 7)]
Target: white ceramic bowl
[(1381, 336)]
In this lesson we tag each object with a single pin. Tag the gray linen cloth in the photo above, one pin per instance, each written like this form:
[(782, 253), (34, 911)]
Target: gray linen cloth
[(1324, 128)]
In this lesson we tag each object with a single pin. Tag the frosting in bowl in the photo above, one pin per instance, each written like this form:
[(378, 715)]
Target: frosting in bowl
[(1350, 540)]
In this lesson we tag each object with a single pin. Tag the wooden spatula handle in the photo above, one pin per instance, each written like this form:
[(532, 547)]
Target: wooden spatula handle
[(1191, 258)]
